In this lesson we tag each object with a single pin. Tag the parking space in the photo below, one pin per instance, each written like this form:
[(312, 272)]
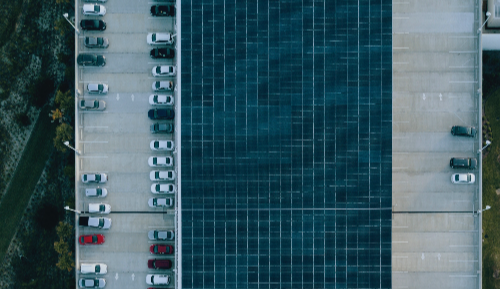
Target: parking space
[(116, 141), (435, 64)]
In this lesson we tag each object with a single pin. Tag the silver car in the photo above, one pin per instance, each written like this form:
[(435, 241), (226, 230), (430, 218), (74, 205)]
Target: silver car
[(101, 208), (162, 175), (95, 104), (162, 188), (162, 145), (97, 192), (94, 178), (97, 88), (96, 42), (93, 10), (164, 70), (158, 38), (160, 235), (160, 161), (92, 283), (160, 202), (161, 99)]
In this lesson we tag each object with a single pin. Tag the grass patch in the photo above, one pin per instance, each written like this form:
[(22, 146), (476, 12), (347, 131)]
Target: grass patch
[(25, 178)]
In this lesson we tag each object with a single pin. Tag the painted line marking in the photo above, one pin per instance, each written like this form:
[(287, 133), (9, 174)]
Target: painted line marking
[(94, 157), (400, 48), (94, 141)]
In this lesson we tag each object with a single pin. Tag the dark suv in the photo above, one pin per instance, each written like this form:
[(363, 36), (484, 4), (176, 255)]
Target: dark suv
[(93, 24), (162, 53), (163, 10), (91, 60), (463, 163), (161, 113), (463, 131), (162, 128)]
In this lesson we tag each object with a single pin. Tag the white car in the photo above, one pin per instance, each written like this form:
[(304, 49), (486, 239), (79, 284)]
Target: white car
[(92, 104), (92, 283), (164, 70), (94, 178), (94, 10), (154, 279), (162, 145), (162, 86), (463, 178), (158, 38), (99, 208), (95, 222), (160, 161), (93, 268), (162, 188), (161, 99), (97, 192), (162, 175), (160, 202), (97, 88), (160, 235)]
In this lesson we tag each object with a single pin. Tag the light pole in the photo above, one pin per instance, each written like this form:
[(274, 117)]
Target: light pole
[(68, 209), (485, 209), (487, 144), (66, 143), (488, 14), (66, 17)]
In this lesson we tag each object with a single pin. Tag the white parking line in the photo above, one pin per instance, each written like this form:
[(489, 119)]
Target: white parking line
[(400, 242), (94, 141), (94, 157), (400, 48)]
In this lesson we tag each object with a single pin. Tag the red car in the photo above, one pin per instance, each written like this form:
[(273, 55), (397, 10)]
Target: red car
[(95, 239), (159, 264), (161, 249)]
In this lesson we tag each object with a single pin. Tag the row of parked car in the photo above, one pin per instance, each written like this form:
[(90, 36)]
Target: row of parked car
[(463, 163)]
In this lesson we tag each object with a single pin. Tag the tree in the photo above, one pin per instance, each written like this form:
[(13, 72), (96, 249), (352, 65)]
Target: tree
[(60, 24), (64, 132), (66, 102), (64, 230), (66, 261)]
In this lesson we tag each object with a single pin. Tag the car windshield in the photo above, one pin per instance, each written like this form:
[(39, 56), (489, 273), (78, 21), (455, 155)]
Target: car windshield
[(82, 239), (82, 103), (155, 98), (157, 84), (155, 249), (154, 202), (97, 8), (158, 69), (157, 187), (97, 268), (84, 177), (99, 192), (156, 144), (457, 177), (99, 40), (170, 174), (155, 161), (171, 69), (101, 222), (102, 208), (157, 175), (97, 177), (156, 234), (100, 87), (153, 37), (96, 104), (94, 239), (169, 145)]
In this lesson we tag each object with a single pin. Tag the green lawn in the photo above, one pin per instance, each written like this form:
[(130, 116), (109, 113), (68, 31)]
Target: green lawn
[(491, 182), (25, 178)]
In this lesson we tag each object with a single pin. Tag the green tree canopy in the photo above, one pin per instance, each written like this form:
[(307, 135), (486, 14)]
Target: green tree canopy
[(64, 132)]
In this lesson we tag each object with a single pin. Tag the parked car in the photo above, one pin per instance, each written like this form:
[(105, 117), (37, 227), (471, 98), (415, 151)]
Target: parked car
[(88, 24), (464, 131), (162, 188), (101, 208), (93, 10), (160, 38), (162, 53), (160, 235), (162, 86), (94, 178), (162, 264), (160, 161), (91, 283), (162, 175), (161, 249), (91, 60), (163, 10), (164, 70), (96, 42), (92, 104), (153, 279), (463, 163), (95, 222), (96, 192), (160, 202), (93, 268), (161, 99), (95, 239), (97, 88), (161, 113), (162, 145), (463, 178), (162, 128)]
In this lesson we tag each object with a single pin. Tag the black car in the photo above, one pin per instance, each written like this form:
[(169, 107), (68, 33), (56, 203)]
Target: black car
[(163, 10), (463, 163), (88, 24), (162, 53), (161, 113), (463, 131), (91, 60), (162, 128)]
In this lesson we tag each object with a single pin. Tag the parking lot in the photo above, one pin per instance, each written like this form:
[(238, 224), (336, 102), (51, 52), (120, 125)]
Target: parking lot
[(435, 65), (116, 141)]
